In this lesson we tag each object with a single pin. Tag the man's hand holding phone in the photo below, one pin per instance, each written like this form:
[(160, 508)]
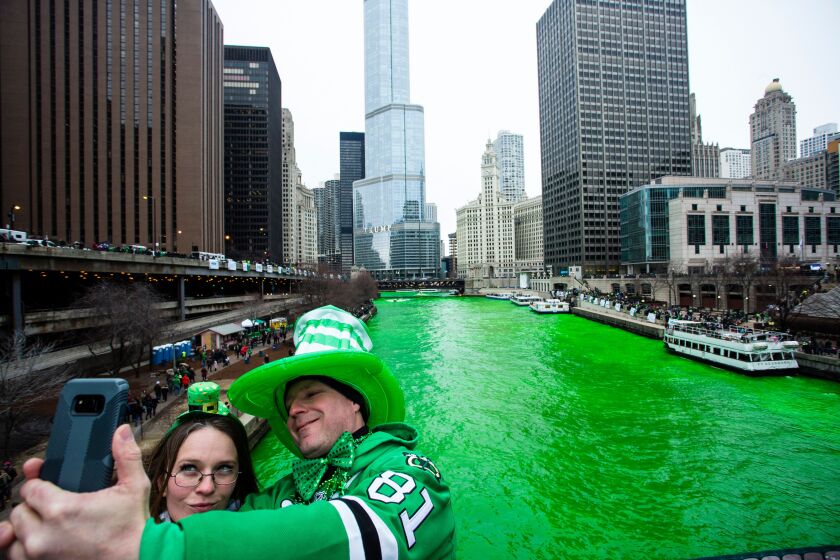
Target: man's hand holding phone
[(55, 523)]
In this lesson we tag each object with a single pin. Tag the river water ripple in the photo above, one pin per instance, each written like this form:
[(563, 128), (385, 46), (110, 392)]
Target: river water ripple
[(564, 438)]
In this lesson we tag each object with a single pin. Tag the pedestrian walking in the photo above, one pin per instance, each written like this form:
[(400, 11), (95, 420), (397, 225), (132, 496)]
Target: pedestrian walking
[(176, 384), (158, 390), (164, 391), (204, 374)]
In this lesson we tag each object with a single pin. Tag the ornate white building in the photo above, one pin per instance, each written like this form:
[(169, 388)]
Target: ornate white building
[(495, 237), (306, 227), (772, 133), (484, 230)]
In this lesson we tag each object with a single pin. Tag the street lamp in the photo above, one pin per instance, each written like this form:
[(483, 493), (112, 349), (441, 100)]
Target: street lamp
[(11, 224), (154, 222)]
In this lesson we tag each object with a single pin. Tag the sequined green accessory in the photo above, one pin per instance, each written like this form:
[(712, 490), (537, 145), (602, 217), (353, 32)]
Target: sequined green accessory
[(307, 473)]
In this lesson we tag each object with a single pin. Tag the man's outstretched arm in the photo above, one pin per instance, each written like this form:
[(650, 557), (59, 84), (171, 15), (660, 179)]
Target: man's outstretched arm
[(54, 523)]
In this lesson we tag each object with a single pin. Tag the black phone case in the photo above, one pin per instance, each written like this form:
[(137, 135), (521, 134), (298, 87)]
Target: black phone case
[(78, 456)]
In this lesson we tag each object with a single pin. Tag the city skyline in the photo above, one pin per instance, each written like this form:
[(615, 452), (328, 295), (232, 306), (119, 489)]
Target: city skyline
[(475, 73)]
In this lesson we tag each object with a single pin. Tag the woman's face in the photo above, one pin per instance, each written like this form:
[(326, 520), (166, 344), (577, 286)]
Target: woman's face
[(206, 450)]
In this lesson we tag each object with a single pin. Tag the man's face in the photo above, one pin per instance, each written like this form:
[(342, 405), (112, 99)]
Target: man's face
[(318, 415)]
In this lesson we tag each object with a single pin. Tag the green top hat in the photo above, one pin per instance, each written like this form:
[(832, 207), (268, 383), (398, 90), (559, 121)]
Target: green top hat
[(331, 343), (202, 400)]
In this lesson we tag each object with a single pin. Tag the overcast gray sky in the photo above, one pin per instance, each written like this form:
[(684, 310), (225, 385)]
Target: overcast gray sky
[(474, 69)]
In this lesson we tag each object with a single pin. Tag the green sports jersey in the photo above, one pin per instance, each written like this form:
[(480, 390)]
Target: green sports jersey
[(395, 505)]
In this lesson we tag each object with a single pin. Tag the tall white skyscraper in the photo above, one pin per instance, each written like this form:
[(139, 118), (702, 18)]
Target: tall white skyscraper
[(392, 237), (511, 164), (735, 163), (819, 141)]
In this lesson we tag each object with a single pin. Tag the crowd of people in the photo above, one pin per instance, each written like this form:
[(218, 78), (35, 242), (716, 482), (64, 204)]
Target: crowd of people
[(715, 319)]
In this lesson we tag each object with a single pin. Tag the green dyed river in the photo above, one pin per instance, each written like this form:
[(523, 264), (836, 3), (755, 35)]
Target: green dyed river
[(564, 438)]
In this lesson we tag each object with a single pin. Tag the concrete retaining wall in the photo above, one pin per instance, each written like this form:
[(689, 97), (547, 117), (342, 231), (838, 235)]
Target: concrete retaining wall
[(827, 367), (620, 320)]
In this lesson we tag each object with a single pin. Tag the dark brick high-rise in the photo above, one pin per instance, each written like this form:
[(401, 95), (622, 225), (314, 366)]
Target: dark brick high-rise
[(103, 103)]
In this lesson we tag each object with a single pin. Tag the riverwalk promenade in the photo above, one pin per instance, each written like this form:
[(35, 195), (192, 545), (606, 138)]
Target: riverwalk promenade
[(606, 312)]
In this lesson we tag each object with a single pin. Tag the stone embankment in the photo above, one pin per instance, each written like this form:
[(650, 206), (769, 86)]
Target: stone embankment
[(610, 316)]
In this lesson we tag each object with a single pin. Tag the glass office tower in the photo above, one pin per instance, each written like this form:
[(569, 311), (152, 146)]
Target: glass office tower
[(614, 114), (351, 169), (392, 237), (253, 154)]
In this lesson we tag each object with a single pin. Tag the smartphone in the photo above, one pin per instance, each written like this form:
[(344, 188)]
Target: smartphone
[(78, 456)]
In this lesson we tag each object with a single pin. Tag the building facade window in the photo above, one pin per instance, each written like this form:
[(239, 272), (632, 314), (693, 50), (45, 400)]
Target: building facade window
[(790, 230), (767, 230), (744, 230), (696, 229), (833, 230), (720, 230), (813, 235)]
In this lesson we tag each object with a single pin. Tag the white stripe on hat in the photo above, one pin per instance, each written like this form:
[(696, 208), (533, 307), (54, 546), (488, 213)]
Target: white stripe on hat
[(341, 334), (312, 319)]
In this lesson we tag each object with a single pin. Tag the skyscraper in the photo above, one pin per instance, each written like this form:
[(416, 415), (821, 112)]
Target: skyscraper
[(705, 158), (292, 177), (484, 231), (351, 169), (327, 209), (819, 141), (111, 121), (735, 163), (613, 85), (511, 162), (253, 154), (392, 237), (772, 133)]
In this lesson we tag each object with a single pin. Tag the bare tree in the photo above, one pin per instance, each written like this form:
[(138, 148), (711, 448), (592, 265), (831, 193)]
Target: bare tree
[(22, 384), (315, 290), (352, 294), (787, 278), (744, 267), (130, 320)]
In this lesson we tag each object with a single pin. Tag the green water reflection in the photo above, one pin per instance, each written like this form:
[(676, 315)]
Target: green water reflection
[(564, 438)]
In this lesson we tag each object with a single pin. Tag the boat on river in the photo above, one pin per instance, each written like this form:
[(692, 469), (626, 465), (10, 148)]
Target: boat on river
[(744, 350), (422, 292), (549, 306), (524, 299), (501, 295)]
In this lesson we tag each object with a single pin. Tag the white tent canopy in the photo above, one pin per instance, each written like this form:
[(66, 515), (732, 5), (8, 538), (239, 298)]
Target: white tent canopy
[(247, 323)]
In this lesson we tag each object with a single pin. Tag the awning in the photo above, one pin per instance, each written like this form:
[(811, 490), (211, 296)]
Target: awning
[(226, 329)]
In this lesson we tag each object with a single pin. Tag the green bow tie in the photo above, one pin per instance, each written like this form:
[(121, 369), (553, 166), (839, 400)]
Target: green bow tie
[(307, 473)]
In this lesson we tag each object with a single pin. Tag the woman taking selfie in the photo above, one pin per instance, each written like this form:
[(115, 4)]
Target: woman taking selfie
[(203, 463)]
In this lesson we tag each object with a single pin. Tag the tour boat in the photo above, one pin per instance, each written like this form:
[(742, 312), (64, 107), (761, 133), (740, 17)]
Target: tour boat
[(502, 295), (524, 299), (744, 350), (550, 306)]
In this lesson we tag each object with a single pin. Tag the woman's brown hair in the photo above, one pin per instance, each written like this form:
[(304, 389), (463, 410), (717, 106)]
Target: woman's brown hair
[(164, 455)]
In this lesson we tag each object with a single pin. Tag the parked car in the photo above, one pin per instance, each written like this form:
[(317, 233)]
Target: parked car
[(38, 243), (102, 246)]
